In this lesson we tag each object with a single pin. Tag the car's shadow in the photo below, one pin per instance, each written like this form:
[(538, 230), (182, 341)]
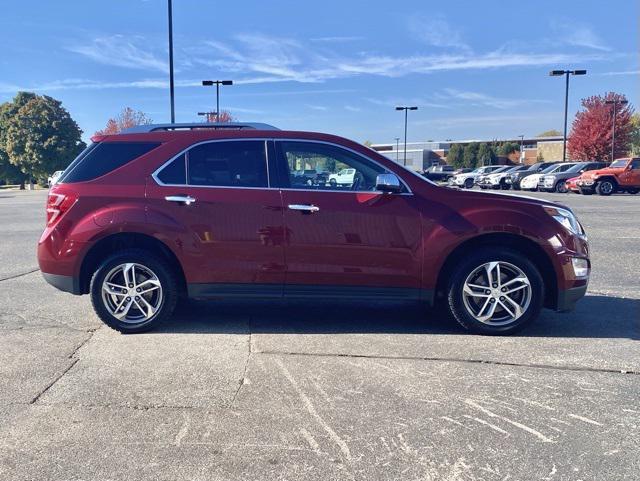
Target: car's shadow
[(594, 317)]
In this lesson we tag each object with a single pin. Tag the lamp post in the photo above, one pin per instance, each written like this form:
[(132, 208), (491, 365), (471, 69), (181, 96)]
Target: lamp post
[(615, 104), (209, 115), (406, 110), (397, 147), (171, 85), (217, 83), (566, 73), (521, 148)]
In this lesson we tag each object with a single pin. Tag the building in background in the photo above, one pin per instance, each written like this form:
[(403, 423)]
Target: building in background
[(422, 155)]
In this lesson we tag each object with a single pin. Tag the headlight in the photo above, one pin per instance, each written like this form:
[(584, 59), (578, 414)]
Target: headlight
[(549, 180), (494, 180), (566, 218), (580, 267)]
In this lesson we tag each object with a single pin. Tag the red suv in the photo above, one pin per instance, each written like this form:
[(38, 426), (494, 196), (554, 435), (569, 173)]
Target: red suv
[(158, 212)]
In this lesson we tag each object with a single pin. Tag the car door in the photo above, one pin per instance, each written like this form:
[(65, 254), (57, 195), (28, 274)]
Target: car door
[(226, 221), (347, 240), (630, 177)]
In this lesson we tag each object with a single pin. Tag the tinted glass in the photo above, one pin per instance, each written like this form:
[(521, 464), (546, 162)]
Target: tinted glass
[(635, 164), (174, 173), (102, 158), (228, 164), (335, 168)]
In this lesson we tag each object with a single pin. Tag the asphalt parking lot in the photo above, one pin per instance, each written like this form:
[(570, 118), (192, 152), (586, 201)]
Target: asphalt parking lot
[(228, 392)]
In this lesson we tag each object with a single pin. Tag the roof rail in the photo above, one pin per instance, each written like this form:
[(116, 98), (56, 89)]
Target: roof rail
[(140, 129)]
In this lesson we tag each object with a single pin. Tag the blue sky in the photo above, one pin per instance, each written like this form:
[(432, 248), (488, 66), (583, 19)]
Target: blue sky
[(475, 69)]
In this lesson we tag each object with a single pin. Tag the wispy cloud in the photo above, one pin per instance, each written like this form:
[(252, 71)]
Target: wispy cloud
[(337, 39), (121, 51), (621, 72), (351, 108), (321, 108), (578, 35), (436, 31), (484, 100)]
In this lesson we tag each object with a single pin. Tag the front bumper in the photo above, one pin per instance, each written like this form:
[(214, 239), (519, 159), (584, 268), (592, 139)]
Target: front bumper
[(567, 298)]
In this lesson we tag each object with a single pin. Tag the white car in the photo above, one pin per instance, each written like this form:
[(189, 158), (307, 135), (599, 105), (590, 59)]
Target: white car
[(530, 182), (467, 180), (53, 178), (343, 177)]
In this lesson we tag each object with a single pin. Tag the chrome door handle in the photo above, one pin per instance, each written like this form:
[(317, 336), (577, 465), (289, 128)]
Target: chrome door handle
[(182, 199), (304, 207)]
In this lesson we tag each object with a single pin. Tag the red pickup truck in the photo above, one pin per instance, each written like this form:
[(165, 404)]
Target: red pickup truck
[(623, 175)]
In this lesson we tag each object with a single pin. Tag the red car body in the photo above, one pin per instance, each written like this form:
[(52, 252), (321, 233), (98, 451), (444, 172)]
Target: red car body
[(245, 242), (572, 185)]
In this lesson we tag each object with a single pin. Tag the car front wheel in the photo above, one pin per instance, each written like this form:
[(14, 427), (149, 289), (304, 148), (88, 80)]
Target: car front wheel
[(133, 291), (605, 187), (495, 291)]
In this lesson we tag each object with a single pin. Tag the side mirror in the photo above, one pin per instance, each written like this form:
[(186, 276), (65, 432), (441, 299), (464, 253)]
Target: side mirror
[(388, 183)]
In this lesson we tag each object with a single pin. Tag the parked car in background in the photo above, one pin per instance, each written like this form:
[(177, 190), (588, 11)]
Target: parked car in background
[(343, 178), (467, 180), (309, 177), (498, 179), (572, 185), (439, 173), (53, 178), (623, 175), (160, 212), (531, 182), (556, 181), (483, 182), (515, 178)]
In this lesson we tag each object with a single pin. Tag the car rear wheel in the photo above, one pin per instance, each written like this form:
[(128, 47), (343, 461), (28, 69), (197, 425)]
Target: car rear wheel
[(468, 183), (495, 291), (133, 291), (633, 191), (561, 187), (606, 187)]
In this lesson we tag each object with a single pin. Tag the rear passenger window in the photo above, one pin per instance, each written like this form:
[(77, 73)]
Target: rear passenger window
[(103, 158), (228, 164), (174, 173)]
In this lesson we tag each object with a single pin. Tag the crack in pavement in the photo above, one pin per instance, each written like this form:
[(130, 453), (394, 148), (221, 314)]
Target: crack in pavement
[(15, 276), (74, 361), (246, 365), (452, 359)]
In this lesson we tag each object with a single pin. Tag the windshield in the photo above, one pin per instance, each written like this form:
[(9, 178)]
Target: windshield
[(551, 169), (577, 167), (501, 169), (619, 163)]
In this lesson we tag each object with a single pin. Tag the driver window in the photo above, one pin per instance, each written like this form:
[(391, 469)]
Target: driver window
[(319, 166), (635, 164)]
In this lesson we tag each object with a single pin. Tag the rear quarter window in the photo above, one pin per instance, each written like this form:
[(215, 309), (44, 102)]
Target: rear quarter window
[(101, 158)]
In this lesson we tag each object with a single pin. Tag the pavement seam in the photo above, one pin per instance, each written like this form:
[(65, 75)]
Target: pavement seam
[(74, 361), (446, 359), (246, 365), (19, 275)]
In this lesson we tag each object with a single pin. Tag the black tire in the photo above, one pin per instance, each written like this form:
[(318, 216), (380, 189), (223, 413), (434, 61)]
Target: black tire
[(586, 192), (504, 186), (164, 274), (633, 191), (561, 187), (333, 183), (606, 187), (468, 184), (477, 259), (515, 186)]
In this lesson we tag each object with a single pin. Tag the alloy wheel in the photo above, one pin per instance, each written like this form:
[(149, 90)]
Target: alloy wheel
[(497, 293), (132, 293)]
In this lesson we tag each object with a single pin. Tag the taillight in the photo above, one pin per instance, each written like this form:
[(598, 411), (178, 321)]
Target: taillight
[(58, 204)]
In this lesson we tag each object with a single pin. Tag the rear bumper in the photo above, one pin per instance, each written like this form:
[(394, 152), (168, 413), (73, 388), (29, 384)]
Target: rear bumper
[(567, 298), (64, 283)]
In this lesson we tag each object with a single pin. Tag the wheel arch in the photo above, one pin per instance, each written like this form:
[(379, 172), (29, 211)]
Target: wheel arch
[(127, 240), (525, 246)]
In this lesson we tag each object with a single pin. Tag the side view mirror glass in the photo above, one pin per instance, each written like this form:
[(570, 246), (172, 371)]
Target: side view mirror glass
[(388, 183)]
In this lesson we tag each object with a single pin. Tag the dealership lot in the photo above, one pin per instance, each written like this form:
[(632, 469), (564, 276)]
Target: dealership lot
[(300, 392)]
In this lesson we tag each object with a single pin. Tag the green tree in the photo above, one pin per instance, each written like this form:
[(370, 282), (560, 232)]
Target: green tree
[(539, 157), (470, 155), (508, 148), (486, 155), (550, 133), (39, 136), (455, 156)]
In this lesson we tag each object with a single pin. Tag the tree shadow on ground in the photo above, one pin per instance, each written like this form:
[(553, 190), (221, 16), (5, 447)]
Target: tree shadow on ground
[(594, 317)]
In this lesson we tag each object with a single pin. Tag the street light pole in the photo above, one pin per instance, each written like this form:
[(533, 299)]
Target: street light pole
[(615, 104), (397, 147), (566, 73), (521, 147), (406, 110), (171, 84), (217, 83)]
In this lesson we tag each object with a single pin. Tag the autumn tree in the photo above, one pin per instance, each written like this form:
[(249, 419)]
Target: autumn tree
[(225, 116), (125, 119), (455, 156), (591, 131), (38, 136)]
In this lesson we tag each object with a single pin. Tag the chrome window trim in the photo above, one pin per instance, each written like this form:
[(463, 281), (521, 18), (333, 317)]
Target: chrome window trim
[(154, 174), (185, 151)]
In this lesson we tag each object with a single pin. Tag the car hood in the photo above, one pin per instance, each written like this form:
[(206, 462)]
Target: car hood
[(500, 197), (608, 170)]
